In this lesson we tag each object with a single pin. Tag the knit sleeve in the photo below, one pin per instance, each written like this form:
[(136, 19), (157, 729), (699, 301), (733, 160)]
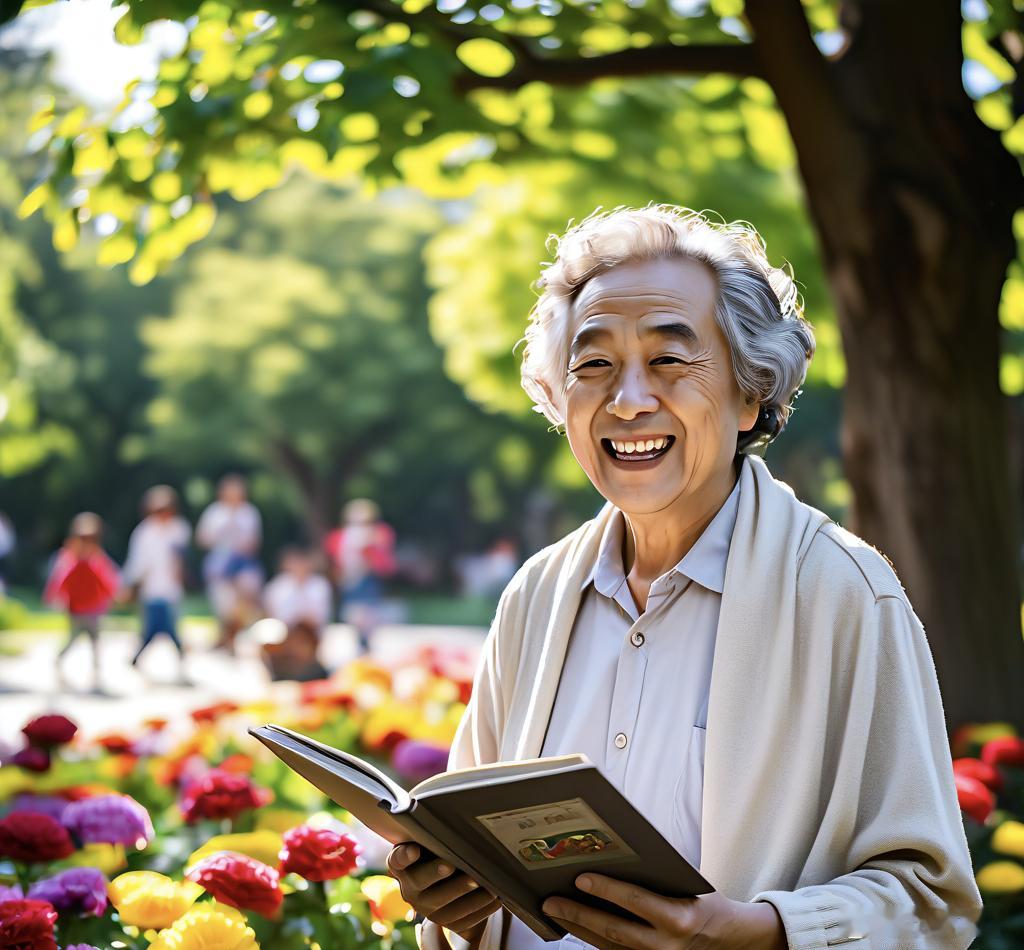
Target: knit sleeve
[(910, 884), (478, 737)]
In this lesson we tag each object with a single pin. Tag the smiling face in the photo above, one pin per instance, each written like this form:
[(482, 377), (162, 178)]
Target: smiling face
[(645, 343)]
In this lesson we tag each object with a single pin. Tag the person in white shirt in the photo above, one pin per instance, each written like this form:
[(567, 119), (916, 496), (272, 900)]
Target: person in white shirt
[(298, 594), (155, 568), (301, 599), (231, 530)]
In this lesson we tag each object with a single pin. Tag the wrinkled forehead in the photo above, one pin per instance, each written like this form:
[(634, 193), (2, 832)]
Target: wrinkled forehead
[(637, 287)]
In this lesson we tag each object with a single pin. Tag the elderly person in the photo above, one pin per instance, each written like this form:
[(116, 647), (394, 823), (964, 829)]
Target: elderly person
[(748, 673)]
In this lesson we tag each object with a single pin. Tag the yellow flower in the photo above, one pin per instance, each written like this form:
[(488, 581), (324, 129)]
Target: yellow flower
[(150, 900), (262, 845), (1001, 877), (385, 897), (1008, 838), (279, 820), (208, 926), (109, 858)]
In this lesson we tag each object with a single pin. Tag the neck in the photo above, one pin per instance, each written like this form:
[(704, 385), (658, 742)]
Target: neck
[(655, 542)]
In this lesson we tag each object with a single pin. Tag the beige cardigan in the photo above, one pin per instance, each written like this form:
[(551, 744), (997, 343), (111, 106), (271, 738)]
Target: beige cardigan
[(828, 783)]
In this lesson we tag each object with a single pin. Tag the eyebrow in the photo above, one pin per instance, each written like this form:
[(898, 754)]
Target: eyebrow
[(679, 331)]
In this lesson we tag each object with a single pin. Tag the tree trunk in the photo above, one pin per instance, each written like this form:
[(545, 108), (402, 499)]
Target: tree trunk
[(913, 197)]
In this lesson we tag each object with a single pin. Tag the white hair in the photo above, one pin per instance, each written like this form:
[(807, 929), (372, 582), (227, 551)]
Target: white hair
[(757, 308)]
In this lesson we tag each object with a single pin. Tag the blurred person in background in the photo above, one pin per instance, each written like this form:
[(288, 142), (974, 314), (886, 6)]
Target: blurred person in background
[(300, 599), (362, 554), (154, 572), (231, 530), (84, 581)]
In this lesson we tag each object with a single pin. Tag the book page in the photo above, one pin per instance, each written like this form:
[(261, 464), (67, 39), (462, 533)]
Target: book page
[(495, 772), (555, 834)]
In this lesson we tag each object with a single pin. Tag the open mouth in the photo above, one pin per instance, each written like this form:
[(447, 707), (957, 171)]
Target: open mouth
[(638, 451)]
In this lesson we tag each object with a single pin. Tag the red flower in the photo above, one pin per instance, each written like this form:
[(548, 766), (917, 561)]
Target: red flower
[(51, 730), (327, 692), (1006, 750), (238, 763), (32, 758), (31, 837), (155, 724), (982, 771), (318, 854), (219, 794), (27, 925), (240, 881), (116, 743), (976, 799), (214, 712)]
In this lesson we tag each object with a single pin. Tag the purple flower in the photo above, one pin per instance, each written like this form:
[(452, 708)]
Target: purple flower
[(416, 761), (79, 946), (51, 805), (13, 893), (109, 819), (80, 890)]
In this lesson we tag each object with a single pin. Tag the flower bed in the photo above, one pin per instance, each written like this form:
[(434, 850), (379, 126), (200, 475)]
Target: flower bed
[(189, 835), (988, 766)]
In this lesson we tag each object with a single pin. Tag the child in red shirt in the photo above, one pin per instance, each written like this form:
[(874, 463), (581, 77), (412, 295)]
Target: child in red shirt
[(83, 581)]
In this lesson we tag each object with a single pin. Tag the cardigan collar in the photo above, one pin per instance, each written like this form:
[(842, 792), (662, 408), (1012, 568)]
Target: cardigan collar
[(704, 562)]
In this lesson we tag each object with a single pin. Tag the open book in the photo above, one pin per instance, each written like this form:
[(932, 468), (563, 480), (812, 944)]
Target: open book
[(522, 830)]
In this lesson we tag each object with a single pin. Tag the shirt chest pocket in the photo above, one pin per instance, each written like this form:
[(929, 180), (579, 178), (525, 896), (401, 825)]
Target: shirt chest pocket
[(688, 798)]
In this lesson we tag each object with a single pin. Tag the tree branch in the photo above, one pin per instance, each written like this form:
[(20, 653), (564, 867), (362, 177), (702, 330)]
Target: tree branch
[(533, 65), (740, 59)]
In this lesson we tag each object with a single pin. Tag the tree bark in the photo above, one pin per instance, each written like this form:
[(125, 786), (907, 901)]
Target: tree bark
[(912, 198)]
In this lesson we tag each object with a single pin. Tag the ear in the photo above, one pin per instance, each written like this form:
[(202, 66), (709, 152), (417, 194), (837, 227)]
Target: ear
[(748, 414)]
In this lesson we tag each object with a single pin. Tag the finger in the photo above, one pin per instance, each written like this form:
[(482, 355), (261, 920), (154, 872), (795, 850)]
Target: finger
[(471, 920), (588, 937), (440, 895), (610, 927), (424, 874), (657, 910), (402, 855), (464, 906)]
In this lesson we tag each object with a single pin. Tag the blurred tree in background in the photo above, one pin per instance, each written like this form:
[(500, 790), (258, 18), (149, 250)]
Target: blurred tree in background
[(909, 184)]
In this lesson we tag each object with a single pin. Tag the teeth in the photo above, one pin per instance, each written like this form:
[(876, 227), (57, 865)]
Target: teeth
[(649, 445)]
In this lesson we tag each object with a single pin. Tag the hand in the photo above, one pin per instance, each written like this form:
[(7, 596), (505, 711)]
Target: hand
[(439, 892), (709, 922)]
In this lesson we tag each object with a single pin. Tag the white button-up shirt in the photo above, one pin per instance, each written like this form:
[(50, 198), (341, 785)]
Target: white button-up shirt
[(633, 694)]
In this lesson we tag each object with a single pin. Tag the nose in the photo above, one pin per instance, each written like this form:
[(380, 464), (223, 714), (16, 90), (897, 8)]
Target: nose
[(633, 394)]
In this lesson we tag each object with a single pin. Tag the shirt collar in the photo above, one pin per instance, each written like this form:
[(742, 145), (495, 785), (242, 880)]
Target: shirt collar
[(704, 562)]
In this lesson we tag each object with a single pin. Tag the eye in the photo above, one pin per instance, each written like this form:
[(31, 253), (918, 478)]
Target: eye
[(674, 359), (586, 365)]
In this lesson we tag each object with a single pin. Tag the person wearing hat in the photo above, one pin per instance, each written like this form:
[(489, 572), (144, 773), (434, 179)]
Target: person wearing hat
[(154, 571), (84, 581)]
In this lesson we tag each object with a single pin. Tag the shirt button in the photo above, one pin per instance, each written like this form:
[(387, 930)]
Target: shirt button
[(620, 741), (636, 638)]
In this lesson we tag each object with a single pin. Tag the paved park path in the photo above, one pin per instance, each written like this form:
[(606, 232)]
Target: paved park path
[(29, 684)]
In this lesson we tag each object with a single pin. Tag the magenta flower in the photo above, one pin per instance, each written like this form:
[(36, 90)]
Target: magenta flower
[(79, 890), (416, 761), (109, 819), (12, 893)]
